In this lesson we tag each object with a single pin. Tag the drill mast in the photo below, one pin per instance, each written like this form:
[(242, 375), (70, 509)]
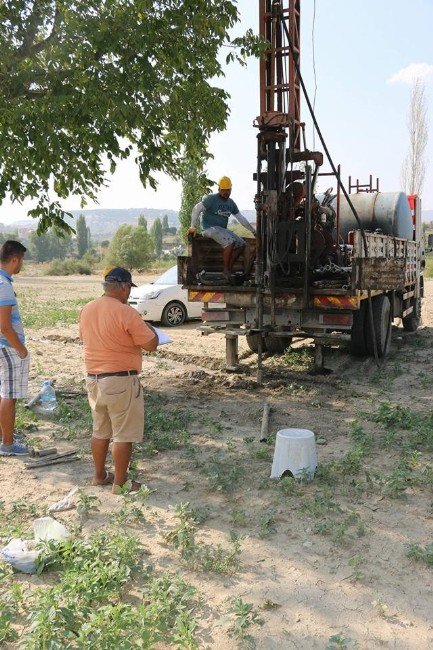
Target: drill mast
[(279, 82)]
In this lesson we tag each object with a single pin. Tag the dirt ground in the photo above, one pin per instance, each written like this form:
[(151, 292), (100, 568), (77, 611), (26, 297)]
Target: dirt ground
[(313, 574)]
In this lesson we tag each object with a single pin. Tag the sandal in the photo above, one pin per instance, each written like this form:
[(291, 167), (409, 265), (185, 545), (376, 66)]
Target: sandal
[(108, 480)]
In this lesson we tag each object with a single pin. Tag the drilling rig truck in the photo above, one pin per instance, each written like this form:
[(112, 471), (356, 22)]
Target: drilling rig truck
[(336, 267)]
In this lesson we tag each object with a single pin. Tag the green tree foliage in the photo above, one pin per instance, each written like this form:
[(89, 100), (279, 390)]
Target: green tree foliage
[(156, 231), (131, 247), (165, 226), (81, 81), (91, 257), (68, 267), (142, 221), (195, 185), (49, 246), (4, 236), (83, 236)]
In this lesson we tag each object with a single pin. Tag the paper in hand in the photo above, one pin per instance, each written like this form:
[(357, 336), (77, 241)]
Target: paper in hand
[(162, 337)]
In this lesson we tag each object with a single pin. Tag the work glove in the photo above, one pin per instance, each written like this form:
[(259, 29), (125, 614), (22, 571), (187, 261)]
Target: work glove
[(192, 231)]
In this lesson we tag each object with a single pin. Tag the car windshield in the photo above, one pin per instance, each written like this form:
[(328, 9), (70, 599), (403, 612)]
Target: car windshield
[(169, 277)]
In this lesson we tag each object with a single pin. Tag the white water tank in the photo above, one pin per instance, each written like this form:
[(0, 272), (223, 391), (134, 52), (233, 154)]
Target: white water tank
[(387, 211)]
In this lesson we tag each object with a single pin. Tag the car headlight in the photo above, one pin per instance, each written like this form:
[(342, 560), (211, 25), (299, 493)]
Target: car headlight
[(150, 296)]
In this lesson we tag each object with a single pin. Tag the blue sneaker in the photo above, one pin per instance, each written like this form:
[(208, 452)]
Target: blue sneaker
[(16, 449)]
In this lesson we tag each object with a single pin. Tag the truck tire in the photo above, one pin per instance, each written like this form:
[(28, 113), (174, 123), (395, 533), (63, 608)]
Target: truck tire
[(253, 343), (358, 344), (382, 325), (411, 322), (173, 314), (278, 344)]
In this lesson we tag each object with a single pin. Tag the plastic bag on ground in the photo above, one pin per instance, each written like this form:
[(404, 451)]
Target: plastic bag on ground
[(47, 528), (20, 554), (64, 504)]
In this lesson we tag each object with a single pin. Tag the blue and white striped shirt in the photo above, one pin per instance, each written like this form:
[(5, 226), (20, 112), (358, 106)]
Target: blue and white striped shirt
[(7, 297)]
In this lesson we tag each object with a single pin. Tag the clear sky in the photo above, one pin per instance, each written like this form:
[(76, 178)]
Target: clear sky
[(366, 55)]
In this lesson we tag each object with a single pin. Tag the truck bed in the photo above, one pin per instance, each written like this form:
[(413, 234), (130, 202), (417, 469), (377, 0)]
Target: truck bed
[(391, 265)]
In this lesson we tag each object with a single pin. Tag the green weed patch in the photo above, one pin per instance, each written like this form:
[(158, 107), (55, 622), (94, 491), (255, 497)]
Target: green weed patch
[(243, 617), (16, 520), (37, 313), (421, 553), (164, 428), (223, 473), (86, 606), (417, 427), (198, 555)]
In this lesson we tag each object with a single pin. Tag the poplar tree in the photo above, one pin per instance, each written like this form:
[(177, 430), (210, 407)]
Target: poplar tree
[(156, 232), (83, 238), (414, 165)]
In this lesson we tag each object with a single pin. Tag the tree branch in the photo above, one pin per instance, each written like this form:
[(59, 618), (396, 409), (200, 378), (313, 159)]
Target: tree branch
[(28, 46)]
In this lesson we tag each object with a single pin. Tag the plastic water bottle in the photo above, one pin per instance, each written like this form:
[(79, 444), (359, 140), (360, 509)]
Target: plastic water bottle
[(47, 397)]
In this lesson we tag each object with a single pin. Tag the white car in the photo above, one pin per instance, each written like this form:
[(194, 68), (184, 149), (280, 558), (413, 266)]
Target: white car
[(164, 300)]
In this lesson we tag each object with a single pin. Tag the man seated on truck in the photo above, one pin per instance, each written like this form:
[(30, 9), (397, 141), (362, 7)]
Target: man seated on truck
[(216, 210)]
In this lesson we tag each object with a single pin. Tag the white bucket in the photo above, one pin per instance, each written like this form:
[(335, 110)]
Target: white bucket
[(295, 451)]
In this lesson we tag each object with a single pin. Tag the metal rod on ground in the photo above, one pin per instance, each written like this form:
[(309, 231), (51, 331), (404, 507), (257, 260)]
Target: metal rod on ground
[(260, 239), (48, 461), (265, 423), (308, 229), (62, 455)]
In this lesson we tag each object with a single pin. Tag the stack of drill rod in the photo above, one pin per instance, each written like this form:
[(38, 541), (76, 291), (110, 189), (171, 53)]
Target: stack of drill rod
[(45, 457), (332, 276)]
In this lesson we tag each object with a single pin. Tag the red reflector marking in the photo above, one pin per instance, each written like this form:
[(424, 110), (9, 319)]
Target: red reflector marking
[(205, 296), (336, 319), (336, 302)]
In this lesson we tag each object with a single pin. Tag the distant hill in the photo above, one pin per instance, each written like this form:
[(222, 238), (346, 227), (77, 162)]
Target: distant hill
[(104, 223)]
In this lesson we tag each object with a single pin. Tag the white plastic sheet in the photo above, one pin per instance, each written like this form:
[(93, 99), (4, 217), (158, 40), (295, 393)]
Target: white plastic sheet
[(22, 553), (67, 503)]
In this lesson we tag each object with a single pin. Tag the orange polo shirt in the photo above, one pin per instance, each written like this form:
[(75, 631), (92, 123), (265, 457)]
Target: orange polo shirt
[(113, 336)]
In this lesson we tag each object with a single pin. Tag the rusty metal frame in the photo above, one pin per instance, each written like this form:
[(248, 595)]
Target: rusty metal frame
[(280, 104), (363, 187)]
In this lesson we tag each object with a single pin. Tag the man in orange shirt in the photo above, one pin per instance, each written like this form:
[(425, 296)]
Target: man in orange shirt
[(114, 335)]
